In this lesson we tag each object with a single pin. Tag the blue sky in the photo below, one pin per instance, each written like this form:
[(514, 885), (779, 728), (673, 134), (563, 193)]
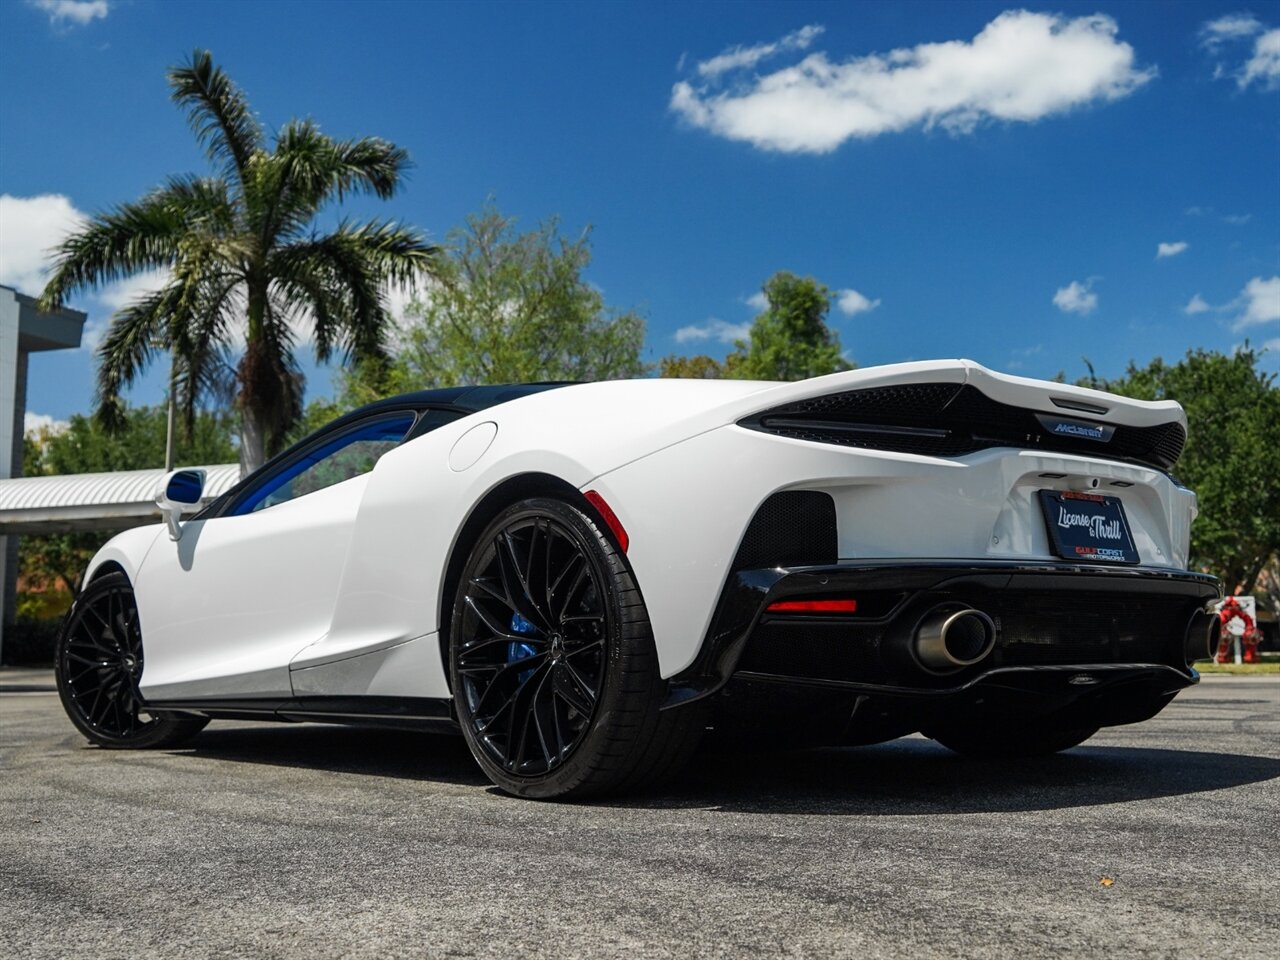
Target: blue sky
[(1020, 186)]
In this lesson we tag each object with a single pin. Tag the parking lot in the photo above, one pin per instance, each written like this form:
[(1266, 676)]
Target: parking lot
[(1159, 840)]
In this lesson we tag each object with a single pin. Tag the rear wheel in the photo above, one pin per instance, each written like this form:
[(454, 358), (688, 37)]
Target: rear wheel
[(99, 665), (1023, 738), (552, 661)]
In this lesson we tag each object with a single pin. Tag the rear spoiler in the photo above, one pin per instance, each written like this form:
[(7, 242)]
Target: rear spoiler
[(1043, 396), (954, 407)]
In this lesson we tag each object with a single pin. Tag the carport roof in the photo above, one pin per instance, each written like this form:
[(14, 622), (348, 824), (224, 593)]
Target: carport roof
[(93, 501)]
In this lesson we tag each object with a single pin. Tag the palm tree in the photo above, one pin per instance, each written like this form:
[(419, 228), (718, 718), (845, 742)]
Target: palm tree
[(247, 271)]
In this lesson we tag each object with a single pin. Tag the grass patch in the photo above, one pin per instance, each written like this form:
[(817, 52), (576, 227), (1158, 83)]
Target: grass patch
[(1270, 665)]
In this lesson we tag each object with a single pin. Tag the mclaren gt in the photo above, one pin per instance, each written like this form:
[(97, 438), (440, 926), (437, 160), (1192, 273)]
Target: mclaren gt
[(582, 578)]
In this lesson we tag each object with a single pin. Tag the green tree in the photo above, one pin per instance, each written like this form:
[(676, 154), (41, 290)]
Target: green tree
[(700, 367), (789, 340), (506, 307), (87, 447), (1232, 457), (243, 260)]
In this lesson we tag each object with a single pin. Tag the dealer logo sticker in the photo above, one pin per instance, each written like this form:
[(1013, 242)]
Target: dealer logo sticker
[(1076, 428)]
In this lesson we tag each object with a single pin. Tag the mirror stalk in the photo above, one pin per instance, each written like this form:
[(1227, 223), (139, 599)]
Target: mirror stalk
[(176, 493)]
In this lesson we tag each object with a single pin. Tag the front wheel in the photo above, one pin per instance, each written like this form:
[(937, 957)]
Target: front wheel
[(1007, 740), (552, 660), (99, 665)]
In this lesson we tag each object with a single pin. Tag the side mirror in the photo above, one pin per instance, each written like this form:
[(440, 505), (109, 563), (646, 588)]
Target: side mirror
[(177, 493)]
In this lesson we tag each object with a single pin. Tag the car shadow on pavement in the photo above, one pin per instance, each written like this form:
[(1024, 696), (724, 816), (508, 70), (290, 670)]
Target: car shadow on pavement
[(404, 755), (906, 777), (915, 777)]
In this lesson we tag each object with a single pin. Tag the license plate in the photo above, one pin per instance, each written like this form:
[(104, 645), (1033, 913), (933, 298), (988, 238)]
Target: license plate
[(1087, 526)]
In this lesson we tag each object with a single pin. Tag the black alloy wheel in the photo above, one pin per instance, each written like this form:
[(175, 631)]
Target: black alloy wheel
[(99, 667), (552, 660), (532, 666)]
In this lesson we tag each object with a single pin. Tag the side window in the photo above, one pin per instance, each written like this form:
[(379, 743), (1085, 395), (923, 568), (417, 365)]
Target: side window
[(340, 458)]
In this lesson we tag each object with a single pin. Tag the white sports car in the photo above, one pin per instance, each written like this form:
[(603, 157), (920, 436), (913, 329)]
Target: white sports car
[(583, 577)]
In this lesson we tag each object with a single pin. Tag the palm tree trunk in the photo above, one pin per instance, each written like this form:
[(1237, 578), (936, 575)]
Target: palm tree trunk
[(253, 378), (253, 442)]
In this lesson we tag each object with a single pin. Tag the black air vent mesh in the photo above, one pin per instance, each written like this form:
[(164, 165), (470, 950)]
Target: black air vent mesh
[(947, 420), (794, 528)]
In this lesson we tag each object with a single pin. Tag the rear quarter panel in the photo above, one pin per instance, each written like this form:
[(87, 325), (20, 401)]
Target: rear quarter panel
[(686, 508)]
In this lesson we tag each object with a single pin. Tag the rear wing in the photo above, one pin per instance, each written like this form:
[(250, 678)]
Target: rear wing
[(954, 407)]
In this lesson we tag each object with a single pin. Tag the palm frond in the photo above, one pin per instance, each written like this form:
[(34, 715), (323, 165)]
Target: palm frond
[(204, 203), (345, 275), (199, 337), (304, 295), (320, 167), (143, 235), (135, 333), (217, 110), (132, 238), (308, 169), (370, 164)]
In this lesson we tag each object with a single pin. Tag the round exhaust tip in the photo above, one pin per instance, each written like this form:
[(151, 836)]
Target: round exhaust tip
[(952, 637), (1204, 631)]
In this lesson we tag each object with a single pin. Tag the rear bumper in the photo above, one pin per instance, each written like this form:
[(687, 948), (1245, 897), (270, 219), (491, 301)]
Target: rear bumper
[(1065, 634)]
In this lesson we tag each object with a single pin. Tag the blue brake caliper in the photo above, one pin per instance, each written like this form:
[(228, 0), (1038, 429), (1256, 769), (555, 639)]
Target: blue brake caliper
[(521, 651)]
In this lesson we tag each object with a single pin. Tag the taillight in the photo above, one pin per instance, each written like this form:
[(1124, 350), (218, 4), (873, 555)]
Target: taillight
[(813, 606)]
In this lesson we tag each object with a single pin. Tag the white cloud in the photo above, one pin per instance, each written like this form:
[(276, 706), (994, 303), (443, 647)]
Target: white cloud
[(1076, 297), (1263, 67), (42, 423), (1171, 249), (1260, 300), (1019, 359), (72, 12), (851, 303), (1233, 26), (115, 296), (758, 300), (1272, 345), (29, 228), (1237, 219), (743, 58), (718, 329), (1196, 304), (1022, 66)]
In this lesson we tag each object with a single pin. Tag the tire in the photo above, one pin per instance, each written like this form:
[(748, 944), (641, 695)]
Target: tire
[(552, 661), (99, 665), (1010, 740)]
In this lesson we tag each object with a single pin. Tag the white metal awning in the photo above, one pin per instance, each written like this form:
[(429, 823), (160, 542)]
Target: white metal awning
[(93, 501)]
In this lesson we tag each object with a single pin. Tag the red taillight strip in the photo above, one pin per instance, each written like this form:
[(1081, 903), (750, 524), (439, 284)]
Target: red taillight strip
[(813, 606), (610, 518)]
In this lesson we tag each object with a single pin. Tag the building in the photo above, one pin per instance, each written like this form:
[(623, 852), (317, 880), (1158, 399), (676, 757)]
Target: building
[(34, 506), (23, 330)]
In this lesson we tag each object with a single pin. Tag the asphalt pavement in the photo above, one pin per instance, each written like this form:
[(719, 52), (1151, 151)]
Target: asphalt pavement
[(309, 841)]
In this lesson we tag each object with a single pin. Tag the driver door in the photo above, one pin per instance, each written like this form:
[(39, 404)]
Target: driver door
[(225, 608)]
